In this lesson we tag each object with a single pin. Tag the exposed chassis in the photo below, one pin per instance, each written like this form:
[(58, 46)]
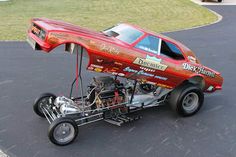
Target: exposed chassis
[(86, 115), (90, 116)]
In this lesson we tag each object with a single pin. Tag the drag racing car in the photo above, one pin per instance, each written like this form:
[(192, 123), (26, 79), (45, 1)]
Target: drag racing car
[(141, 69)]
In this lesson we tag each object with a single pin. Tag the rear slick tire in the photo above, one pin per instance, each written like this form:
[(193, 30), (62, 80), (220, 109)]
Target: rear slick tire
[(186, 99)]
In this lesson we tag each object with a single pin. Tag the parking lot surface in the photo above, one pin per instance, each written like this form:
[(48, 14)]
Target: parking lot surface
[(25, 74)]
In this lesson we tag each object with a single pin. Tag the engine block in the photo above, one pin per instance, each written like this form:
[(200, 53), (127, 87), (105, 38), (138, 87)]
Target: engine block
[(107, 92)]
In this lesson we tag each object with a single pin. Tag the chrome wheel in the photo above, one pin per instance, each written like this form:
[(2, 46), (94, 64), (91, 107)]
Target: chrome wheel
[(64, 132), (190, 102)]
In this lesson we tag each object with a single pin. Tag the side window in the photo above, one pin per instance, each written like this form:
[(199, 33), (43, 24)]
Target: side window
[(170, 50), (149, 43)]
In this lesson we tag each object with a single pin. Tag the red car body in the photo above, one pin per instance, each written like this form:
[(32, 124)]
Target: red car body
[(108, 54)]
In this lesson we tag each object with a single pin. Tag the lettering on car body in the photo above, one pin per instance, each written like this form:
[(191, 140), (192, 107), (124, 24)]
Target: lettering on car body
[(96, 68), (198, 69), (109, 49), (142, 72), (150, 64), (147, 69)]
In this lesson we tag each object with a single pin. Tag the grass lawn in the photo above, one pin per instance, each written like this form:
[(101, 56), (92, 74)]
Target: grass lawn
[(155, 15)]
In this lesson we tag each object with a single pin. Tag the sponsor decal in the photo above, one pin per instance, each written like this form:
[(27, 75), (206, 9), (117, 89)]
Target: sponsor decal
[(109, 49), (138, 72), (97, 69), (147, 49), (150, 64), (90, 68), (128, 69), (142, 72), (161, 78), (119, 74), (99, 60), (199, 70), (110, 70), (96, 66), (147, 69)]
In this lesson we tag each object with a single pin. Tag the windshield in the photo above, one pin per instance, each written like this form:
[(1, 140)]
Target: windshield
[(124, 33)]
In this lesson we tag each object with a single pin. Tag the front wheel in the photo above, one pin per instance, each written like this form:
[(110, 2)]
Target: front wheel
[(43, 100), (63, 131), (187, 99)]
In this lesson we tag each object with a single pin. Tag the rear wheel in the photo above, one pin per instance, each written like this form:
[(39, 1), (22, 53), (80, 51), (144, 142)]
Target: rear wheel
[(63, 131), (187, 99), (42, 101)]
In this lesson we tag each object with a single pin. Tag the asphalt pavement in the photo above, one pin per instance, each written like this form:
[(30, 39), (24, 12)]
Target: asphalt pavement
[(25, 73)]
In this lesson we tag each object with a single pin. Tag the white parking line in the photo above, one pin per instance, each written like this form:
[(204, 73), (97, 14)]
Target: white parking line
[(3, 130), (215, 2), (5, 117), (5, 82)]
